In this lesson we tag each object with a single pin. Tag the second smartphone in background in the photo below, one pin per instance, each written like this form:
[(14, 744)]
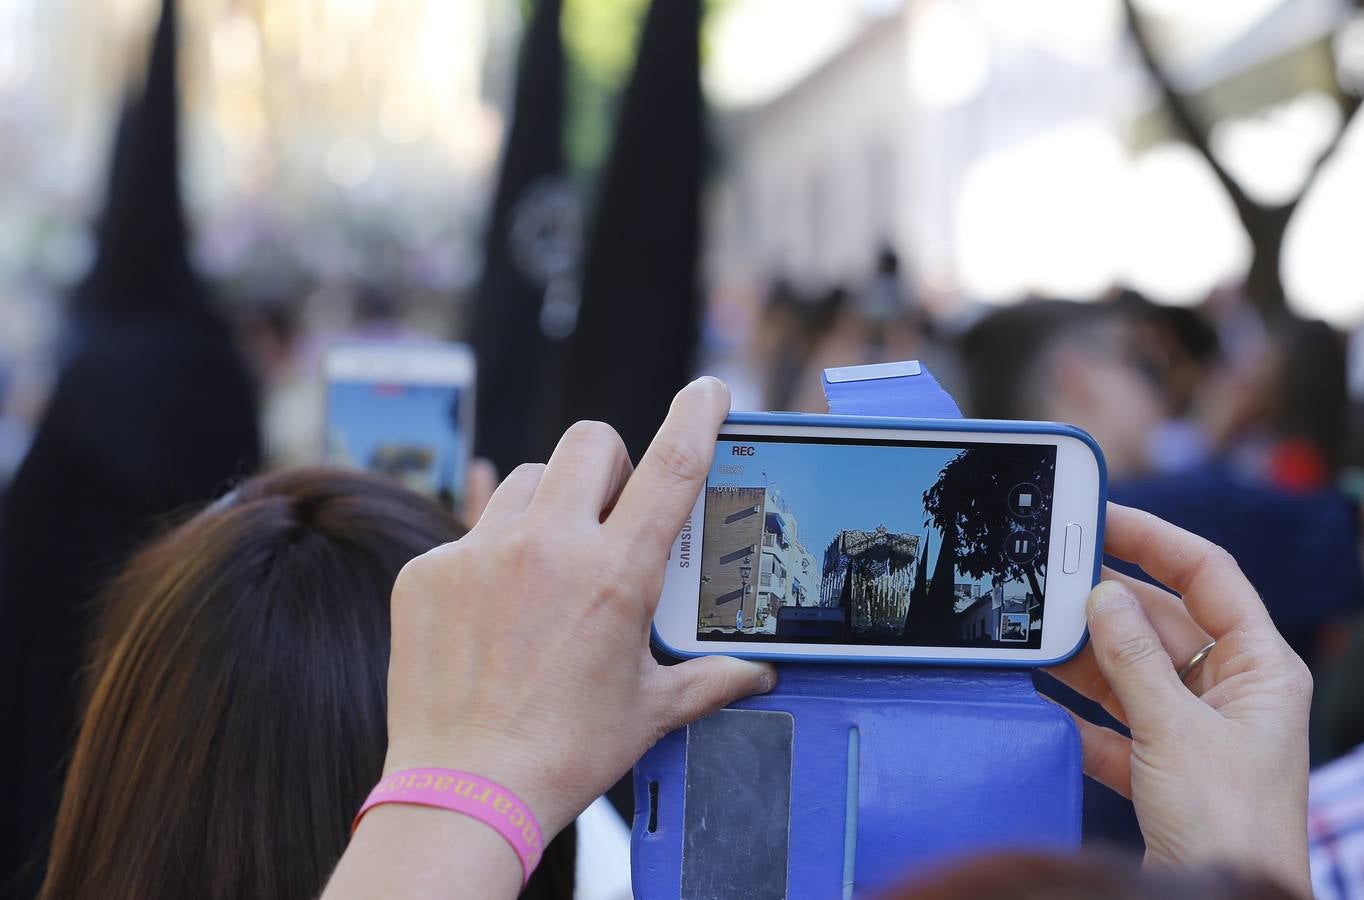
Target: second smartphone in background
[(404, 409)]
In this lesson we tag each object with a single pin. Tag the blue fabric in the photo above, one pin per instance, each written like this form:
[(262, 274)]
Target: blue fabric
[(951, 761), (1300, 550)]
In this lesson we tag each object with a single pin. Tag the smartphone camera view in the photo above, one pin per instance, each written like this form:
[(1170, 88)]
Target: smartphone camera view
[(908, 543), (408, 427)]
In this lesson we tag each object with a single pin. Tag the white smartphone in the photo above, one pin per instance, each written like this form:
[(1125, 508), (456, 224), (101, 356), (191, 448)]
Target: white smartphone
[(403, 408), (838, 538)]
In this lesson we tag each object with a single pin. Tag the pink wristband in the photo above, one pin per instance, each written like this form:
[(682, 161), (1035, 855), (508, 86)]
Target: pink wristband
[(466, 793)]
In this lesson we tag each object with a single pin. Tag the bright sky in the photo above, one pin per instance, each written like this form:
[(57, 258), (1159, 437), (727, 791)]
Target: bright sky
[(831, 487), (759, 48), (1201, 27)]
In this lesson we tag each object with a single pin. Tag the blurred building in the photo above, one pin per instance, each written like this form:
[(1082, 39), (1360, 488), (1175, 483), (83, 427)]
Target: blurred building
[(324, 140), (875, 142), (815, 175), (1005, 148)]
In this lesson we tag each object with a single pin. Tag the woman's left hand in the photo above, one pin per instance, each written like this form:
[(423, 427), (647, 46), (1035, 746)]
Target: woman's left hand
[(1216, 765)]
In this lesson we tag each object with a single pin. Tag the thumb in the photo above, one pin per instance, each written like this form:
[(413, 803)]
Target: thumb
[(1131, 657), (698, 687)]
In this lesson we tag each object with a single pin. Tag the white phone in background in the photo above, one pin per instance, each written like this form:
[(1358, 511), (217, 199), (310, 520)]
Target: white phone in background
[(403, 408), (851, 539)]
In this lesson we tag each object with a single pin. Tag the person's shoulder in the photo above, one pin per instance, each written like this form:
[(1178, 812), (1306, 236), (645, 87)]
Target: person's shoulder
[(1335, 828), (1336, 797)]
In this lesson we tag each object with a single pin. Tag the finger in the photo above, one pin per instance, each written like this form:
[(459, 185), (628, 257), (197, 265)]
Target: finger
[(1179, 634), (514, 494), (1216, 593), (658, 497), (479, 484), (1107, 755), (1081, 674), (1131, 658), (698, 687), (586, 472)]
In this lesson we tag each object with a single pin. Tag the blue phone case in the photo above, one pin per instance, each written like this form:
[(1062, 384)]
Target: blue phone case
[(883, 423), (846, 779)]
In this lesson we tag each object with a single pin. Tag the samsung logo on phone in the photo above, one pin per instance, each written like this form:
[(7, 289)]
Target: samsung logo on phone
[(742, 450), (684, 547)]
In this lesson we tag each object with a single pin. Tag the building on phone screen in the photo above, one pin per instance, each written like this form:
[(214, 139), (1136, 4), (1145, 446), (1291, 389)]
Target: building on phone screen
[(753, 562), (978, 613), (871, 575)]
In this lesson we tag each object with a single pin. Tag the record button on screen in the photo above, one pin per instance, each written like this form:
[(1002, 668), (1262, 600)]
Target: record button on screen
[(1024, 500)]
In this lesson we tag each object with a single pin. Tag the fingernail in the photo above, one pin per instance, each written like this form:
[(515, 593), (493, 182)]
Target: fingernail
[(1109, 595), (767, 680)]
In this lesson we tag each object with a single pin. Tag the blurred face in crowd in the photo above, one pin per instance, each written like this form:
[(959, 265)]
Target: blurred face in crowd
[(1102, 381)]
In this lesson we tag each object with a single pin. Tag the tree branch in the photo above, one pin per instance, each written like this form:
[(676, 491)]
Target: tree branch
[(1181, 110), (1348, 108), (1350, 101)]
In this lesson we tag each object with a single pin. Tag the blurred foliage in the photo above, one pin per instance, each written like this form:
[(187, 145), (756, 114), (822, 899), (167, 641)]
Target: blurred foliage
[(600, 37), (972, 494)]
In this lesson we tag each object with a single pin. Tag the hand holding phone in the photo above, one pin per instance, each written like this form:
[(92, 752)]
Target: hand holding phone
[(891, 540), (1227, 746)]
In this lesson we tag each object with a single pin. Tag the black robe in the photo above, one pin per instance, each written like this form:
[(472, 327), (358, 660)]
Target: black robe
[(152, 414)]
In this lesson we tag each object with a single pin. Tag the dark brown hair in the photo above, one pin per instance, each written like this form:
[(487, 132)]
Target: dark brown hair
[(1002, 353), (1092, 876), (237, 702)]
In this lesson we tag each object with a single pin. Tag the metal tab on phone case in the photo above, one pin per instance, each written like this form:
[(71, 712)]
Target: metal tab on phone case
[(874, 372), (737, 806), (886, 389)]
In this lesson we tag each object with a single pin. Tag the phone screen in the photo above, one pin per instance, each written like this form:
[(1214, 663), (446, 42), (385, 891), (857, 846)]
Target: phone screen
[(876, 542), (408, 427)]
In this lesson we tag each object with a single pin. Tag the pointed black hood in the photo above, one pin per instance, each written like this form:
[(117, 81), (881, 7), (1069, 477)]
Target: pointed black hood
[(142, 259), (638, 322), (532, 247), (152, 414)]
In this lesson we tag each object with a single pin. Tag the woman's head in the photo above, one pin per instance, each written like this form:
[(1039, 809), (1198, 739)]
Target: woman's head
[(1040, 876), (237, 713)]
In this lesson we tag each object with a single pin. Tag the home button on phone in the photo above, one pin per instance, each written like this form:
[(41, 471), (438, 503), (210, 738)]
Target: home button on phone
[(1070, 556)]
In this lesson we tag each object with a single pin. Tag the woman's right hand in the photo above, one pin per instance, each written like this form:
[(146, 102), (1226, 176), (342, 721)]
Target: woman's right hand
[(521, 651), (1217, 769)]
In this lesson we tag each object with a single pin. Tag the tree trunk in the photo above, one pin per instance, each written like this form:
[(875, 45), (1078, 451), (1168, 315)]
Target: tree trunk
[(1267, 227), (1036, 586)]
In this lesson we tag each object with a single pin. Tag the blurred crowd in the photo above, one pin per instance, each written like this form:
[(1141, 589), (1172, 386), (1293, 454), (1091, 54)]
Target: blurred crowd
[(1242, 430)]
